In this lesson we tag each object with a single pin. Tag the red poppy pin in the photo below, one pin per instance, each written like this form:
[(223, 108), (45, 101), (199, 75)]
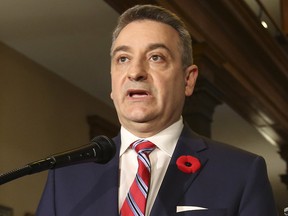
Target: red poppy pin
[(188, 164)]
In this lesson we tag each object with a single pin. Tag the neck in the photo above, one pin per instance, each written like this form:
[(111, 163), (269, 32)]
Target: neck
[(147, 129)]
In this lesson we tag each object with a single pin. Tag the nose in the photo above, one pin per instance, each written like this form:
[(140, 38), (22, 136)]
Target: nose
[(137, 72)]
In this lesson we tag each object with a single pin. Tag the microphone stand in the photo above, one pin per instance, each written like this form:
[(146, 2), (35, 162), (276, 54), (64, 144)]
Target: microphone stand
[(27, 170), (100, 150)]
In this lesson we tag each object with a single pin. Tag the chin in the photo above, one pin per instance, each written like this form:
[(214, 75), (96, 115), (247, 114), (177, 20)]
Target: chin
[(139, 117)]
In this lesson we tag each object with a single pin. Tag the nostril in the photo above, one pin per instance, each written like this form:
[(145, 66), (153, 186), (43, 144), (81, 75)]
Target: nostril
[(137, 78), (137, 73)]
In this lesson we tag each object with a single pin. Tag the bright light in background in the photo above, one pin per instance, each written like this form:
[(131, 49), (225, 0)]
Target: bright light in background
[(269, 135), (264, 24)]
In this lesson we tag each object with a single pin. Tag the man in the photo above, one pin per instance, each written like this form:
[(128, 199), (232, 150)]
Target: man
[(152, 72)]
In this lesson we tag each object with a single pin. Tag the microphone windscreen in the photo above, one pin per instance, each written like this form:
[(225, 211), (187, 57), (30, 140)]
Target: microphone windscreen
[(107, 148)]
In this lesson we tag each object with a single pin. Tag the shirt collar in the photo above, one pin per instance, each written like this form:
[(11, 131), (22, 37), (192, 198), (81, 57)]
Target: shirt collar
[(165, 140)]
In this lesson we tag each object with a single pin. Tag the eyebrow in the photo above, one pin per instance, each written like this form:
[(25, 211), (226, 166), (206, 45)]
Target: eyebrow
[(161, 46), (158, 45), (153, 46), (120, 48)]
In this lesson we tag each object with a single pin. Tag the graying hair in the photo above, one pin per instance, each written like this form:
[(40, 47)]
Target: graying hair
[(158, 14)]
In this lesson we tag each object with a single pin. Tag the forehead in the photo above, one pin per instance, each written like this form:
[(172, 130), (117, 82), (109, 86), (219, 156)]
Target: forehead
[(142, 32)]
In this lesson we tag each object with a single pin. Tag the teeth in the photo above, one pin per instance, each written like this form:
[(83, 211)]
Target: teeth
[(138, 94)]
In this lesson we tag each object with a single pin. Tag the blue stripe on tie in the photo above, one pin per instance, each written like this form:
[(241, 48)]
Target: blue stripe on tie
[(133, 205), (137, 142), (142, 186), (145, 161)]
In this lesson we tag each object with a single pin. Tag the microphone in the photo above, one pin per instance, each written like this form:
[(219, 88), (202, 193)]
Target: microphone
[(100, 150)]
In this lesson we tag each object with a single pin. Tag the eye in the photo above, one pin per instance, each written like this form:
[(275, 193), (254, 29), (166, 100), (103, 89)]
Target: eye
[(156, 58), (122, 59)]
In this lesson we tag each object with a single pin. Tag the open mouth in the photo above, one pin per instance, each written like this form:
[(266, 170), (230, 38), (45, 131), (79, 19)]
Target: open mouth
[(138, 93)]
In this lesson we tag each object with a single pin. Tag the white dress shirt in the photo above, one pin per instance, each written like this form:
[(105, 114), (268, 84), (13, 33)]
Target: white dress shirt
[(165, 141)]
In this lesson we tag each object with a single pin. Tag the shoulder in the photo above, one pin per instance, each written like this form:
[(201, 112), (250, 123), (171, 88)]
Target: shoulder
[(221, 153), (227, 151)]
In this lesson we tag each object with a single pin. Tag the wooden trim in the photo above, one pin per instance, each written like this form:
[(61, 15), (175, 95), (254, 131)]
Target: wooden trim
[(284, 15)]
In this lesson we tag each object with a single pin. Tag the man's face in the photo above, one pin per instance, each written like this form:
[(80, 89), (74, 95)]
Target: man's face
[(148, 82)]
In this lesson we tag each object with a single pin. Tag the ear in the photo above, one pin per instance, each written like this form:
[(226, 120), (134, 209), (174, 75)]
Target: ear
[(191, 74), (111, 95)]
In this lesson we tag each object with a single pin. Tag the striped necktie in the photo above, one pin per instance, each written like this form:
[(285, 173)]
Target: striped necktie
[(135, 202)]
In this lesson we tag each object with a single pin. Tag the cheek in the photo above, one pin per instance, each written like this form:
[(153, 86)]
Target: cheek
[(114, 88), (174, 84), (177, 91), (117, 83), (115, 78), (169, 90)]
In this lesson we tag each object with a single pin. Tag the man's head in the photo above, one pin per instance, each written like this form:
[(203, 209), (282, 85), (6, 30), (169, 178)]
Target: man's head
[(158, 14), (150, 76)]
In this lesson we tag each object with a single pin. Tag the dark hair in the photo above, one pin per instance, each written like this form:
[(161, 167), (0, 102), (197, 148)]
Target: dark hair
[(158, 14)]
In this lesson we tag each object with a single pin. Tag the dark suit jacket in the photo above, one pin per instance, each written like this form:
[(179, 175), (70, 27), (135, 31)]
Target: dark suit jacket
[(231, 182)]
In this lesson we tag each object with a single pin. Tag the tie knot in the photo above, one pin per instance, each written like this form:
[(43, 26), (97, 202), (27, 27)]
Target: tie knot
[(143, 146)]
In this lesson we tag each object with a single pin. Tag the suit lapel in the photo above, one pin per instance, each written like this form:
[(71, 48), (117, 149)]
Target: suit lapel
[(175, 182)]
